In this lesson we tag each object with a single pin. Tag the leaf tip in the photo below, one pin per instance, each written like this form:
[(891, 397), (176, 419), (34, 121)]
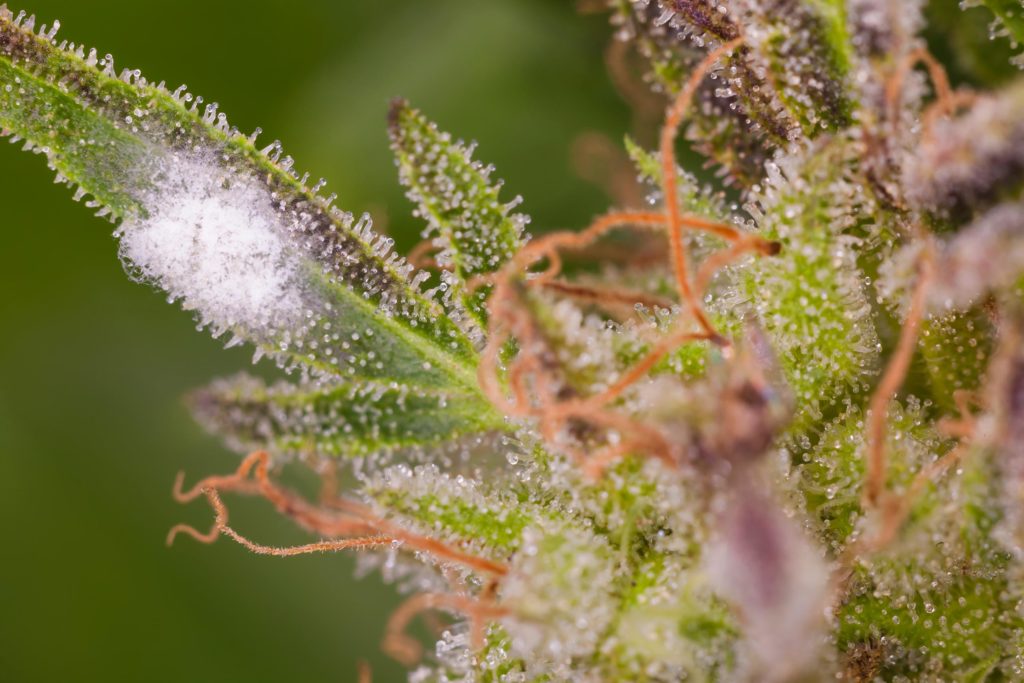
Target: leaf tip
[(396, 109)]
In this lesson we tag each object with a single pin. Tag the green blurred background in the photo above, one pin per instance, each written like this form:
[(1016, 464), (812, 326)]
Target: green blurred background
[(93, 367)]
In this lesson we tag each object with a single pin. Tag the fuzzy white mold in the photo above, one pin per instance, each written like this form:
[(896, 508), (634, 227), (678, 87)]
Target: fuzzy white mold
[(212, 239)]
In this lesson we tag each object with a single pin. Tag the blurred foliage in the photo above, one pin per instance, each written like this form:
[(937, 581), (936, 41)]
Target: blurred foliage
[(93, 367)]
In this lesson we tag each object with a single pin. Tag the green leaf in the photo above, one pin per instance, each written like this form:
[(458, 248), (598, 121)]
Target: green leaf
[(489, 518), (810, 297), (560, 573), (956, 348), (343, 420), (831, 476), (491, 664), (1009, 22), (809, 51), (693, 196), (475, 232), (944, 600), (670, 616), (230, 230)]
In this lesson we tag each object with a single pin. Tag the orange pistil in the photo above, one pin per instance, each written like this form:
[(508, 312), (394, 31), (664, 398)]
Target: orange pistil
[(669, 133), (892, 379), (220, 526), (422, 255), (365, 672), (533, 385), (348, 524), (722, 258), (964, 426), (607, 297), (940, 81), (408, 650), (957, 100)]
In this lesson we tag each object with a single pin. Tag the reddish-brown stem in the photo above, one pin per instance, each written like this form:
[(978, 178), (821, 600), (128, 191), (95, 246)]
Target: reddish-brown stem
[(892, 379), (956, 100), (307, 548), (670, 182), (603, 296), (638, 436), (644, 102), (639, 369), (481, 280), (964, 426), (487, 370), (928, 474), (509, 319), (723, 257), (895, 511), (551, 272), (546, 245), (421, 256), (894, 86)]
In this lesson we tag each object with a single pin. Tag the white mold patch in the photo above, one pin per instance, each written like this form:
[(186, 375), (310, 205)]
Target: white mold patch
[(212, 239)]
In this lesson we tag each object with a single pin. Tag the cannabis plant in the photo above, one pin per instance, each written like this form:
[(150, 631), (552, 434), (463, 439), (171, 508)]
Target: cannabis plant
[(765, 429)]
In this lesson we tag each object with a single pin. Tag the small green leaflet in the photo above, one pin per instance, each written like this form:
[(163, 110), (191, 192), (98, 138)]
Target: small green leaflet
[(475, 232)]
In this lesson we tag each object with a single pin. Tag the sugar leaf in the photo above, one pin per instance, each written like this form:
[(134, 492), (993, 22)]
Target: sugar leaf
[(337, 420), (473, 230), (228, 229)]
